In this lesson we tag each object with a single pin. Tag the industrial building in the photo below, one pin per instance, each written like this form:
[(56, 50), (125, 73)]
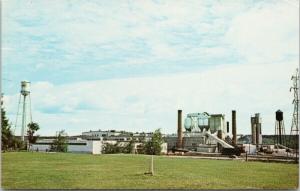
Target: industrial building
[(79, 145), (93, 142), (203, 133)]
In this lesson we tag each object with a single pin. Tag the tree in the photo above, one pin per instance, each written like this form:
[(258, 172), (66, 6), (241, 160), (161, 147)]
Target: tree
[(32, 128), (129, 147), (60, 143), (7, 135), (153, 147), (111, 148)]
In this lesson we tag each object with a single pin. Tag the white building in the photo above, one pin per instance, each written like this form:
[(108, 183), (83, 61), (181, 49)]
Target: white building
[(100, 133), (84, 146)]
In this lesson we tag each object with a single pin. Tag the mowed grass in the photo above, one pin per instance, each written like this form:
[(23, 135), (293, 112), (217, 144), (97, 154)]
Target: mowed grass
[(83, 171)]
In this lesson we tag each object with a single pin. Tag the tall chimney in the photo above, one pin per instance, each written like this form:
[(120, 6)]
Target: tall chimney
[(227, 124), (179, 129), (253, 130), (257, 135), (234, 127), (257, 130)]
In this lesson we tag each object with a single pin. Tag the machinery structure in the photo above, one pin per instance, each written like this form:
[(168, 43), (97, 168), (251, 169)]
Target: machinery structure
[(203, 133), (25, 104)]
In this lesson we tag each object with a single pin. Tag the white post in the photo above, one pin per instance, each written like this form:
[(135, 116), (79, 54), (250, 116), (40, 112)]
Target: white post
[(152, 171)]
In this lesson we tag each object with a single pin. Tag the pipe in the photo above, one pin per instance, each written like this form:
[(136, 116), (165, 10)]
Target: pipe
[(179, 129), (227, 124), (234, 127)]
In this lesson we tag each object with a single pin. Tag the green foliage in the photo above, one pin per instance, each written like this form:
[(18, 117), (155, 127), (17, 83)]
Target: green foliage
[(32, 128), (153, 147), (37, 170), (7, 135), (116, 148), (291, 141), (60, 143), (18, 144), (111, 148), (129, 147)]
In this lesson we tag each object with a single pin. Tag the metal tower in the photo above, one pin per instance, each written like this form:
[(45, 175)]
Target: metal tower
[(279, 129), (295, 121), (23, 102)]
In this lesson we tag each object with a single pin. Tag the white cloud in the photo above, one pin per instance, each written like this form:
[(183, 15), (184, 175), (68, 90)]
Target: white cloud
[(266, 33), (261, 35), (144, 104)]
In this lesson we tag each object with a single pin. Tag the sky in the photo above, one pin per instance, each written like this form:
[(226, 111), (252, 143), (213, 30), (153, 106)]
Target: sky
[(130, 65)]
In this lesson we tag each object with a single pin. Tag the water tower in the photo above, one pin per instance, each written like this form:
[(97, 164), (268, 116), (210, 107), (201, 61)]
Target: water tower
[(279, 128), (25, 105)]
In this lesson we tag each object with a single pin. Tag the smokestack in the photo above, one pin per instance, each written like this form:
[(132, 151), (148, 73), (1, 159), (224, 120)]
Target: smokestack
[(257, 129), (179, 129), (227, 124), (253, 130), (257, 135), (234, 127)]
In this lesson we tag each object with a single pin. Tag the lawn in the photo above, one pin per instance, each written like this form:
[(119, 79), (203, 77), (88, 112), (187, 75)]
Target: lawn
[(83, 171)]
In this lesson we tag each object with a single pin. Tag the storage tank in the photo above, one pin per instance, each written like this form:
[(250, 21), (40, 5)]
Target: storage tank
[(279, 115), (25, 87), (188, 124)]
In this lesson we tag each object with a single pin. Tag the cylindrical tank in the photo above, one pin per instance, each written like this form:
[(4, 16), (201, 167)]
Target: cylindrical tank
[(188, 124), (25, 86), (279, 115)]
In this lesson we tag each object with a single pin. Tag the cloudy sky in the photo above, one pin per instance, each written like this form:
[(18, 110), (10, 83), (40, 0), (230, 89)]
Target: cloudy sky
[(129, 65)]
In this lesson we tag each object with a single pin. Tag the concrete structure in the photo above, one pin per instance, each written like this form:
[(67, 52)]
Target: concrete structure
[(256, 130), (83, 146)]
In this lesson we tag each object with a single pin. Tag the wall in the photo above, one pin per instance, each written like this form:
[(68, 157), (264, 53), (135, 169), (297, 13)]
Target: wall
[(85, 146)]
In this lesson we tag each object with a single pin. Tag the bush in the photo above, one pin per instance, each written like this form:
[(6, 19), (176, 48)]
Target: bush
[(60, 143)]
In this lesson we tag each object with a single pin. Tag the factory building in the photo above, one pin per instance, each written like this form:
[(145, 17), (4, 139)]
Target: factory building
[(112, 135), (100, 133), (203, 133), (94, 141), (79, 145)]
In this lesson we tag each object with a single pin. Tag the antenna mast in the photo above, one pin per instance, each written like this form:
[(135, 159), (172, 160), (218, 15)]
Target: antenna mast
[(295, 121)]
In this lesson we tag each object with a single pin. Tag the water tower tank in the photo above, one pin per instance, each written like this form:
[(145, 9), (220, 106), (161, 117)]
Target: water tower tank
[(25, 86), (279, 115), (188, 124)]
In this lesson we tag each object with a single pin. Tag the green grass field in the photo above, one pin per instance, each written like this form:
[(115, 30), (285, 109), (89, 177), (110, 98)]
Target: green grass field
[(83, 171)]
